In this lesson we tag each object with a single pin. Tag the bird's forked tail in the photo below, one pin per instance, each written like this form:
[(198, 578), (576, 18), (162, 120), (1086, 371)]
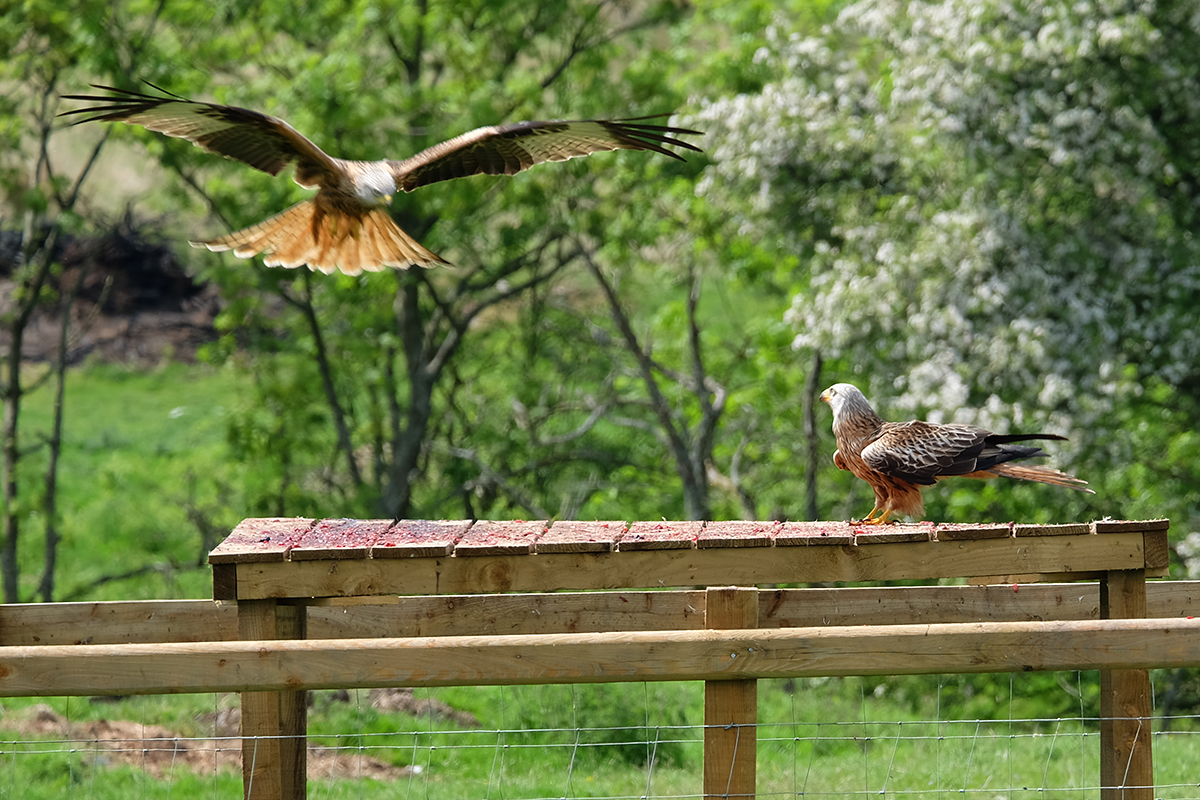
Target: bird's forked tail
[(327, 239), (1026, 472)]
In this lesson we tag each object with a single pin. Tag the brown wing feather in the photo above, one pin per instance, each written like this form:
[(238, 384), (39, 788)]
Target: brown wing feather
[(509, 149), (258, 140), (919, 452)]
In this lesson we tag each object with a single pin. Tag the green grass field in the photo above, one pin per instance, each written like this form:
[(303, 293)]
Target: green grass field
[(817, 738), (139, 449)]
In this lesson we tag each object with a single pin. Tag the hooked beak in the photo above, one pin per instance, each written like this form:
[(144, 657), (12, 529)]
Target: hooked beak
[(387, 199), (825, 398)]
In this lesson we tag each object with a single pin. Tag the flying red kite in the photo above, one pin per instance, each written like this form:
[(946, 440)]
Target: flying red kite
[(346, 225), (898, 458)]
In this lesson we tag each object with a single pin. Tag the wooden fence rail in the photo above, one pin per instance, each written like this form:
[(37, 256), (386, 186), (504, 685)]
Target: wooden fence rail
[(161, 621), (707, 655)]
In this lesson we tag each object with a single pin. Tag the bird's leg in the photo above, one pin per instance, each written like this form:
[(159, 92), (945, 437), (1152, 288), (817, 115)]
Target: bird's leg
[(882, 519), (869, 519)]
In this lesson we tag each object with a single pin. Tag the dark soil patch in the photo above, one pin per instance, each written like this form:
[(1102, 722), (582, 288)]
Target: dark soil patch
[(136, 305)]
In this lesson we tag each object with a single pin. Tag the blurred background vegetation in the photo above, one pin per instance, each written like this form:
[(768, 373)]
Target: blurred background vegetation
[(974, 211)]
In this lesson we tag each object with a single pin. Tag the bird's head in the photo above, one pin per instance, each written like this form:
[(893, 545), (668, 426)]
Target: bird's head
[(375, 186), (844, 396)]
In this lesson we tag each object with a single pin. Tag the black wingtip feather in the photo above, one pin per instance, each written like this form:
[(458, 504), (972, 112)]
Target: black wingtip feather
[(653, 136), (997, 438), (118, 105)]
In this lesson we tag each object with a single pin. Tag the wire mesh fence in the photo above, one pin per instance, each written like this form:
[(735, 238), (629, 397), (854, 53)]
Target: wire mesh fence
[(982, 736)]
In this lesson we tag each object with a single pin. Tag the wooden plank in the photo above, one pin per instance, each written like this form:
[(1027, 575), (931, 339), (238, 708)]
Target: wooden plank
[(339, 538), (598, 657), (117, 622), (291, 623), (262, 756), (224, 581), (950, 532), (203, 620), (1158, 553), (580, 537), (730, 707), (1166, 599), (461, 615), (274, 723), (744, 566), (893, 533), (420, 538), (492, 538), (269, 539), (266, 539), (815, 533), (1125, 525), (660, 536), (927, 604), (1126, 705), (737, 533), (1064, 529)]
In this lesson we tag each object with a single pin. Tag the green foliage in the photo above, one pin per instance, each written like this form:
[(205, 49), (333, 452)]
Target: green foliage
[(634, 724), (144, 463), (987, 204)]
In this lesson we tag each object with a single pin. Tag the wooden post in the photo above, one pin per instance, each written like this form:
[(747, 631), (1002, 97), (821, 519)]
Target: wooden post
[(730, 707), (274, 724), (1126, 711)]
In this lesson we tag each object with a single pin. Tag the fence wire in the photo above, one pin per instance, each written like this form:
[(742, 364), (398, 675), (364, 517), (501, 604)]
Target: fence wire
[(846, 738)]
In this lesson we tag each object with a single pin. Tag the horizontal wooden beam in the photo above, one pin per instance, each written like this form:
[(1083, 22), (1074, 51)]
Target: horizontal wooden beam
[(575, 612), (742, 566), (598, 657), (118, 622)]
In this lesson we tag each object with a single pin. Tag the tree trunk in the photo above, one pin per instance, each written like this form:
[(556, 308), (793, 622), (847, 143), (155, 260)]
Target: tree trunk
[(27, 295), (422, 377), (54, 443), (811, 438), (345, 443)]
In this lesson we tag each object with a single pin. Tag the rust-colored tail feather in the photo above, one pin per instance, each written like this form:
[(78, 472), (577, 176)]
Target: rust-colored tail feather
[(327, 240), (1025, 472)]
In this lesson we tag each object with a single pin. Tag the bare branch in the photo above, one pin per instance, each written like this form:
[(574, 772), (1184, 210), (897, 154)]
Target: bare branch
[(86, 590), (190, 180), (490, 477), (598, 411), (659, 403), (325, 368)]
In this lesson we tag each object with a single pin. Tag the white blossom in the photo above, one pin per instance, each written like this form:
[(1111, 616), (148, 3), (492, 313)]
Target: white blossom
[(997, 231)]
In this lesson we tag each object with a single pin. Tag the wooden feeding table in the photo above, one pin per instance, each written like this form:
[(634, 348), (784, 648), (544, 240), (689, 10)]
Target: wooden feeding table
[(282, 573)]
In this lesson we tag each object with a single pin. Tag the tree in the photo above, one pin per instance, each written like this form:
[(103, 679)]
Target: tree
[(47, 47), (993, 207), (373, 353)]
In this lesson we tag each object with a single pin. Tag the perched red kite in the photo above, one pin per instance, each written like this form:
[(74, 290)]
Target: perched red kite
[(346, 225), (898, 458)]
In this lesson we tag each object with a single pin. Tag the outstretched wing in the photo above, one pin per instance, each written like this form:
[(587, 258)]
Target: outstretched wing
[(258, 140), (921, 452), (509, 149)]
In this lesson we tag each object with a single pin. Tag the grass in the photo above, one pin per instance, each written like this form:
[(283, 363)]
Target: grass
[(139, 449), (817, 738)]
